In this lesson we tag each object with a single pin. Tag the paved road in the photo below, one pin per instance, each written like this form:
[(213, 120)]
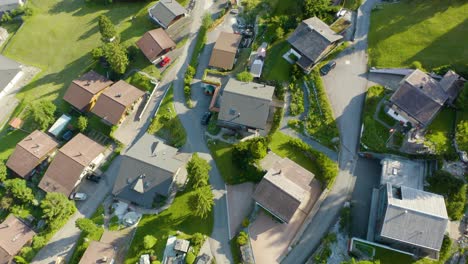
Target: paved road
[(346, 86)]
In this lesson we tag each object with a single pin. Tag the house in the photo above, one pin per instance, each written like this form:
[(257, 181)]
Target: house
[(15, 234), (10, 73), (154, 43), (419, 98), (147, 171), (224, 51), (245, 105), (181, 245), (9, 5), (30, 152), (312, 41), (166, 12), (402, 172), (116, 102), (83, 92), (285, 189), (80, 156), (411, 220), (98, 252)]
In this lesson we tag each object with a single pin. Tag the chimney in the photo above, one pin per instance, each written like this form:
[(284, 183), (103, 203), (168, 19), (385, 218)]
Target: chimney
[(118, 95)]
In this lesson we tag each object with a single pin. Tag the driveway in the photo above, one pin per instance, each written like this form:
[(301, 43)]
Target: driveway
[(346, 87), (240, 205)]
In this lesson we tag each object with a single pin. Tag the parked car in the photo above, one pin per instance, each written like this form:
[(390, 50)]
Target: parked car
[(164, 61), (78, 196), (234, 11), (206, 118), (328, 67), (93, 177)]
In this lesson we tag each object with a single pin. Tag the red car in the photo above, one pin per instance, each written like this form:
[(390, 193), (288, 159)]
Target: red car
[(165, 61)]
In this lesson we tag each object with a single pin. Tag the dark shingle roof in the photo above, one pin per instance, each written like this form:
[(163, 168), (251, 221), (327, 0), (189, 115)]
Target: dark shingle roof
[(452, 84), (166, 10)]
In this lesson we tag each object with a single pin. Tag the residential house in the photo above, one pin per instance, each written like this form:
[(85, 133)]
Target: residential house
[(10, 73), (312, 41), (147, 171), (420, 98), (224, 51), (155, 43), (30, 152), (181, 245), (98, 252), (80, 156), (83, 92), (14, 235), (166, 12), (245, 105), (403, 172), (116, 102), (9, 5), (286, 189), (411, 220)]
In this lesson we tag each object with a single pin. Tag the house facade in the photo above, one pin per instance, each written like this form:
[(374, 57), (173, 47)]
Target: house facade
[(155, 43)]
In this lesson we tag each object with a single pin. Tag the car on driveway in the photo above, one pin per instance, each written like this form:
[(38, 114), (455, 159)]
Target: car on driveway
[(78, 196), (93, 177), (164, 61), (328, 67), (206, 118), (234, 11)]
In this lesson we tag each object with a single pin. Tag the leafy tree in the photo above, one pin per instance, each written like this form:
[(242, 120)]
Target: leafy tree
[(197, 239), (6, 202), (149, 241), (244, 76), (453, 189), (56, 208), (18, 189), (38, 242), (207, 21), (42, 113), (201, 201), (86, 225), (461, 135), (198, 169), (106, 28), (242, 238), (116, 56), (319, 8), (82, 123), (3, 171), (279, 33), (258, 149)]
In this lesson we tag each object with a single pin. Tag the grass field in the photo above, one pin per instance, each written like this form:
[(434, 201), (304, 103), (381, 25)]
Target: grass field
[(440, 133), (277, 68), (222, 154), (178, 217), (430, 31)]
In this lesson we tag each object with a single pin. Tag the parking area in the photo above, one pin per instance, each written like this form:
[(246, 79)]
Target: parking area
[(240, 205)]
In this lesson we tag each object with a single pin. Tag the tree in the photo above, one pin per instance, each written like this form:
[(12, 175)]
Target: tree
[(462, 99), (258, 149), (244, 76), (198, 171), (201, 201), (86, 225), (6, 202), (82, 123), (106, 28), (149, 241), (461, 135), (42, 113), (3, 171), (18, 189), (116, 56), (279, 33), (207, 21), (197, 239), (319, 8), (56, 208), (242, 238), (38, 242)]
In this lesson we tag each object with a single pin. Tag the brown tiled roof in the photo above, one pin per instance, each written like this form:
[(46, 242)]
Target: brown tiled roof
[(154, 42), (112, 103), (224, 51), (16, 123), (14, 235), (81, 91), (98, 252), (69, 163), (30, 151)]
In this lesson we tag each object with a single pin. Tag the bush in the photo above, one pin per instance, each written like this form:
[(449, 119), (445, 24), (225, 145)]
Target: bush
[(453, 189), (245, 222), (27, 253), (149, 241), (242, 238), (6, 17), (442, 70), (38, 242), (114, 223), (461, 135), (417, 65), (82, 123), (244, 76), (297, 99), (276, 122), (3, 171), (197, 239), (190, 258), (445, 249), (42, 113)]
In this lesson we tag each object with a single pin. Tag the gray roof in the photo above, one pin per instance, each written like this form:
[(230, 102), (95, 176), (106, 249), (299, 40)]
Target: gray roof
[(182, 245), (312, 37), (402, 172), (147, 169), (419, 96), (246, 104), (7, 5), (8, 70), (453, 84), (415, 217), (256, 68), (166, 10)]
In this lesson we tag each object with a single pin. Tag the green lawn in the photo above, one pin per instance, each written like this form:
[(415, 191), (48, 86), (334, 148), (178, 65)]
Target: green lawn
[(440, 133), (167, 124), (387, 256), (277, 68), (352, 4), (140, 81), (430, 31), (178, 217), (222, 154)]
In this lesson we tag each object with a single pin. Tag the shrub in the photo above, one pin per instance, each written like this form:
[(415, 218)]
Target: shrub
[(3, 171), (245, 222), (197, 239), (244, 76), (445, 249), (27, 253), (417, 65), (461, 135), (149, 241), (190, 258), (86, 225), (242, 238), (442, 70), (82, 123), (276, 122), (97, 53), (114, 223), (38, 242), (6, 17), (42, 113), (453, 189), (297, 99)]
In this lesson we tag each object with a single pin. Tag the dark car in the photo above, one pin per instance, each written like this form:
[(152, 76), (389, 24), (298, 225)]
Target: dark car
[(328, 67), (206, 118), (93, 178)]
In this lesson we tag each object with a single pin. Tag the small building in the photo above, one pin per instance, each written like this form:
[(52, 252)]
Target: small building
[(181, 245), (80, 156), (116, 102), (83, 92), (224, 51), (59, 125), (9, 5), (402, 172), (10, 73), (155, 43), (147, 171), (16, 123), (30, 152), (98, 252), (411, 220), (15, 235), (256, 68), (312, 41), (245, 106), (166, 12)]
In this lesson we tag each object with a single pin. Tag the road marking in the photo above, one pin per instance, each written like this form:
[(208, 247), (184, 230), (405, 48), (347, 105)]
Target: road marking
[(347, 62)]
